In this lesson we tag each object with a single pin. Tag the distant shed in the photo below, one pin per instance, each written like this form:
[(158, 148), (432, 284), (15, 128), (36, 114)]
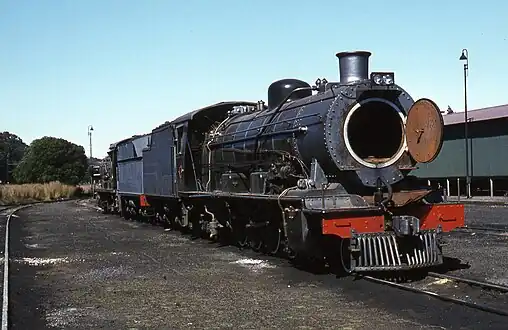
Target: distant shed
[(488, 156)]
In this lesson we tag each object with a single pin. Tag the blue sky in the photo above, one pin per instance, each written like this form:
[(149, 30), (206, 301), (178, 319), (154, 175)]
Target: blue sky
[(127, 66)]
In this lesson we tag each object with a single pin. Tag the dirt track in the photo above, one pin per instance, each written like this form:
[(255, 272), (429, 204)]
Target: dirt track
[(75, 268)]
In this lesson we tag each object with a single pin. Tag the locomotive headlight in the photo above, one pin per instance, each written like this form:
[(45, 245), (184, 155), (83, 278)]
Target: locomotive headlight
[(382, 78)]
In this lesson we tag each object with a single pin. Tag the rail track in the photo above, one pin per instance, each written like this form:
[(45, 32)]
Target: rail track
[(5, 208), (486, 230), (5, 294), (12, 209), (452, 293)]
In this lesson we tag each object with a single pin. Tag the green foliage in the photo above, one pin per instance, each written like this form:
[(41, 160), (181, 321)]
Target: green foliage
[(12, 149), (52, 159)]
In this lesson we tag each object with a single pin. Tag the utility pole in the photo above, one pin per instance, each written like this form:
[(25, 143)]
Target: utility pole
[(90, 167), (7, 156)]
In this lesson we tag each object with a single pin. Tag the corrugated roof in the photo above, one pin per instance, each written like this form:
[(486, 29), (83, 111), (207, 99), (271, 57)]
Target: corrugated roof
[(500, 111)]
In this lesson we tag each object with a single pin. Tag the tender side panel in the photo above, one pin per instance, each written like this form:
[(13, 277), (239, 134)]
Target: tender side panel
[(126, 151), (130, 177), (130, 165), (158, 164), (342, 226), (140, 143)]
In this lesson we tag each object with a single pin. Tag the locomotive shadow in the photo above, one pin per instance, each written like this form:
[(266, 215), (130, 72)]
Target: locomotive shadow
[(450, 264)]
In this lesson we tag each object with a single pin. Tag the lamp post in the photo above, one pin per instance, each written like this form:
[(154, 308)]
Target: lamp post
[(471, 153), (90, 129), (465, 57)]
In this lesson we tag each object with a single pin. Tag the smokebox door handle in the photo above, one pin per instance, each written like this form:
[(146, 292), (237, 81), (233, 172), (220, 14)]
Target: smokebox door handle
[(420, 133)]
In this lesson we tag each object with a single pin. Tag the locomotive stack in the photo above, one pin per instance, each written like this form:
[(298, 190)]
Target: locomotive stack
[(320, 172)]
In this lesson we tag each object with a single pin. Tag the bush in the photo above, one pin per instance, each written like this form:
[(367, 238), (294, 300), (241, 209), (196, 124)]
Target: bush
[(35, 192), (52, 159)]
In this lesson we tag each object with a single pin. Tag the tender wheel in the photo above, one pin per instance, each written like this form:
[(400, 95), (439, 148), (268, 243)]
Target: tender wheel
[(273, 238), (255, 243), (166, 223), (255, 238), (158, 219), (240, 234), (124, 212)]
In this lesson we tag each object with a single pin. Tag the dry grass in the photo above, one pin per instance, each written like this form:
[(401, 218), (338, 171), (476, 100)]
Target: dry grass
[(27, 193)]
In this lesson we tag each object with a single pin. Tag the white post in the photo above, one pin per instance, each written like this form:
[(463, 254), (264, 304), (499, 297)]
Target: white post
[(491, 187), (458, 189), (447, 187)]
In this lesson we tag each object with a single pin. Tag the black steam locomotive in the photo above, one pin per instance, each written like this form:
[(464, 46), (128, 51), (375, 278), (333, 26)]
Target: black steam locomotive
[(320, 172)]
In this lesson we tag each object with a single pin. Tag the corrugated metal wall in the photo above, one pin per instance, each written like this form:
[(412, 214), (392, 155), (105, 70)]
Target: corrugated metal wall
[(158, 164), (488, 151)]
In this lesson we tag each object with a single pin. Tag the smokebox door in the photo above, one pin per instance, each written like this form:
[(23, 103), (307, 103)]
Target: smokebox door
[(424, 130)]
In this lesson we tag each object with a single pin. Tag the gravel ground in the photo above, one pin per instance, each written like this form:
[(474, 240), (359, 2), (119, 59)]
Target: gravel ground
[(486, 253), (488, 215), (75, 268)]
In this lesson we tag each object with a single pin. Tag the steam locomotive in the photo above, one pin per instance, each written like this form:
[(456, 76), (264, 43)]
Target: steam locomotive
[(320, 172)]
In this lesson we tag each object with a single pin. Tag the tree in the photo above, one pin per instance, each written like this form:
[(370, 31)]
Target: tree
[(12, 149), (52, 159)]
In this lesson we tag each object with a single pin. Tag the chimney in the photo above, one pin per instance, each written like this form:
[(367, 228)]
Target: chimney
[(353, 66)]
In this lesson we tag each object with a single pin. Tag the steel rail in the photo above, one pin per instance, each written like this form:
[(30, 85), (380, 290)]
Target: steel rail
[(489, 285), (5, 295), (481, 307), (486, 228)]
